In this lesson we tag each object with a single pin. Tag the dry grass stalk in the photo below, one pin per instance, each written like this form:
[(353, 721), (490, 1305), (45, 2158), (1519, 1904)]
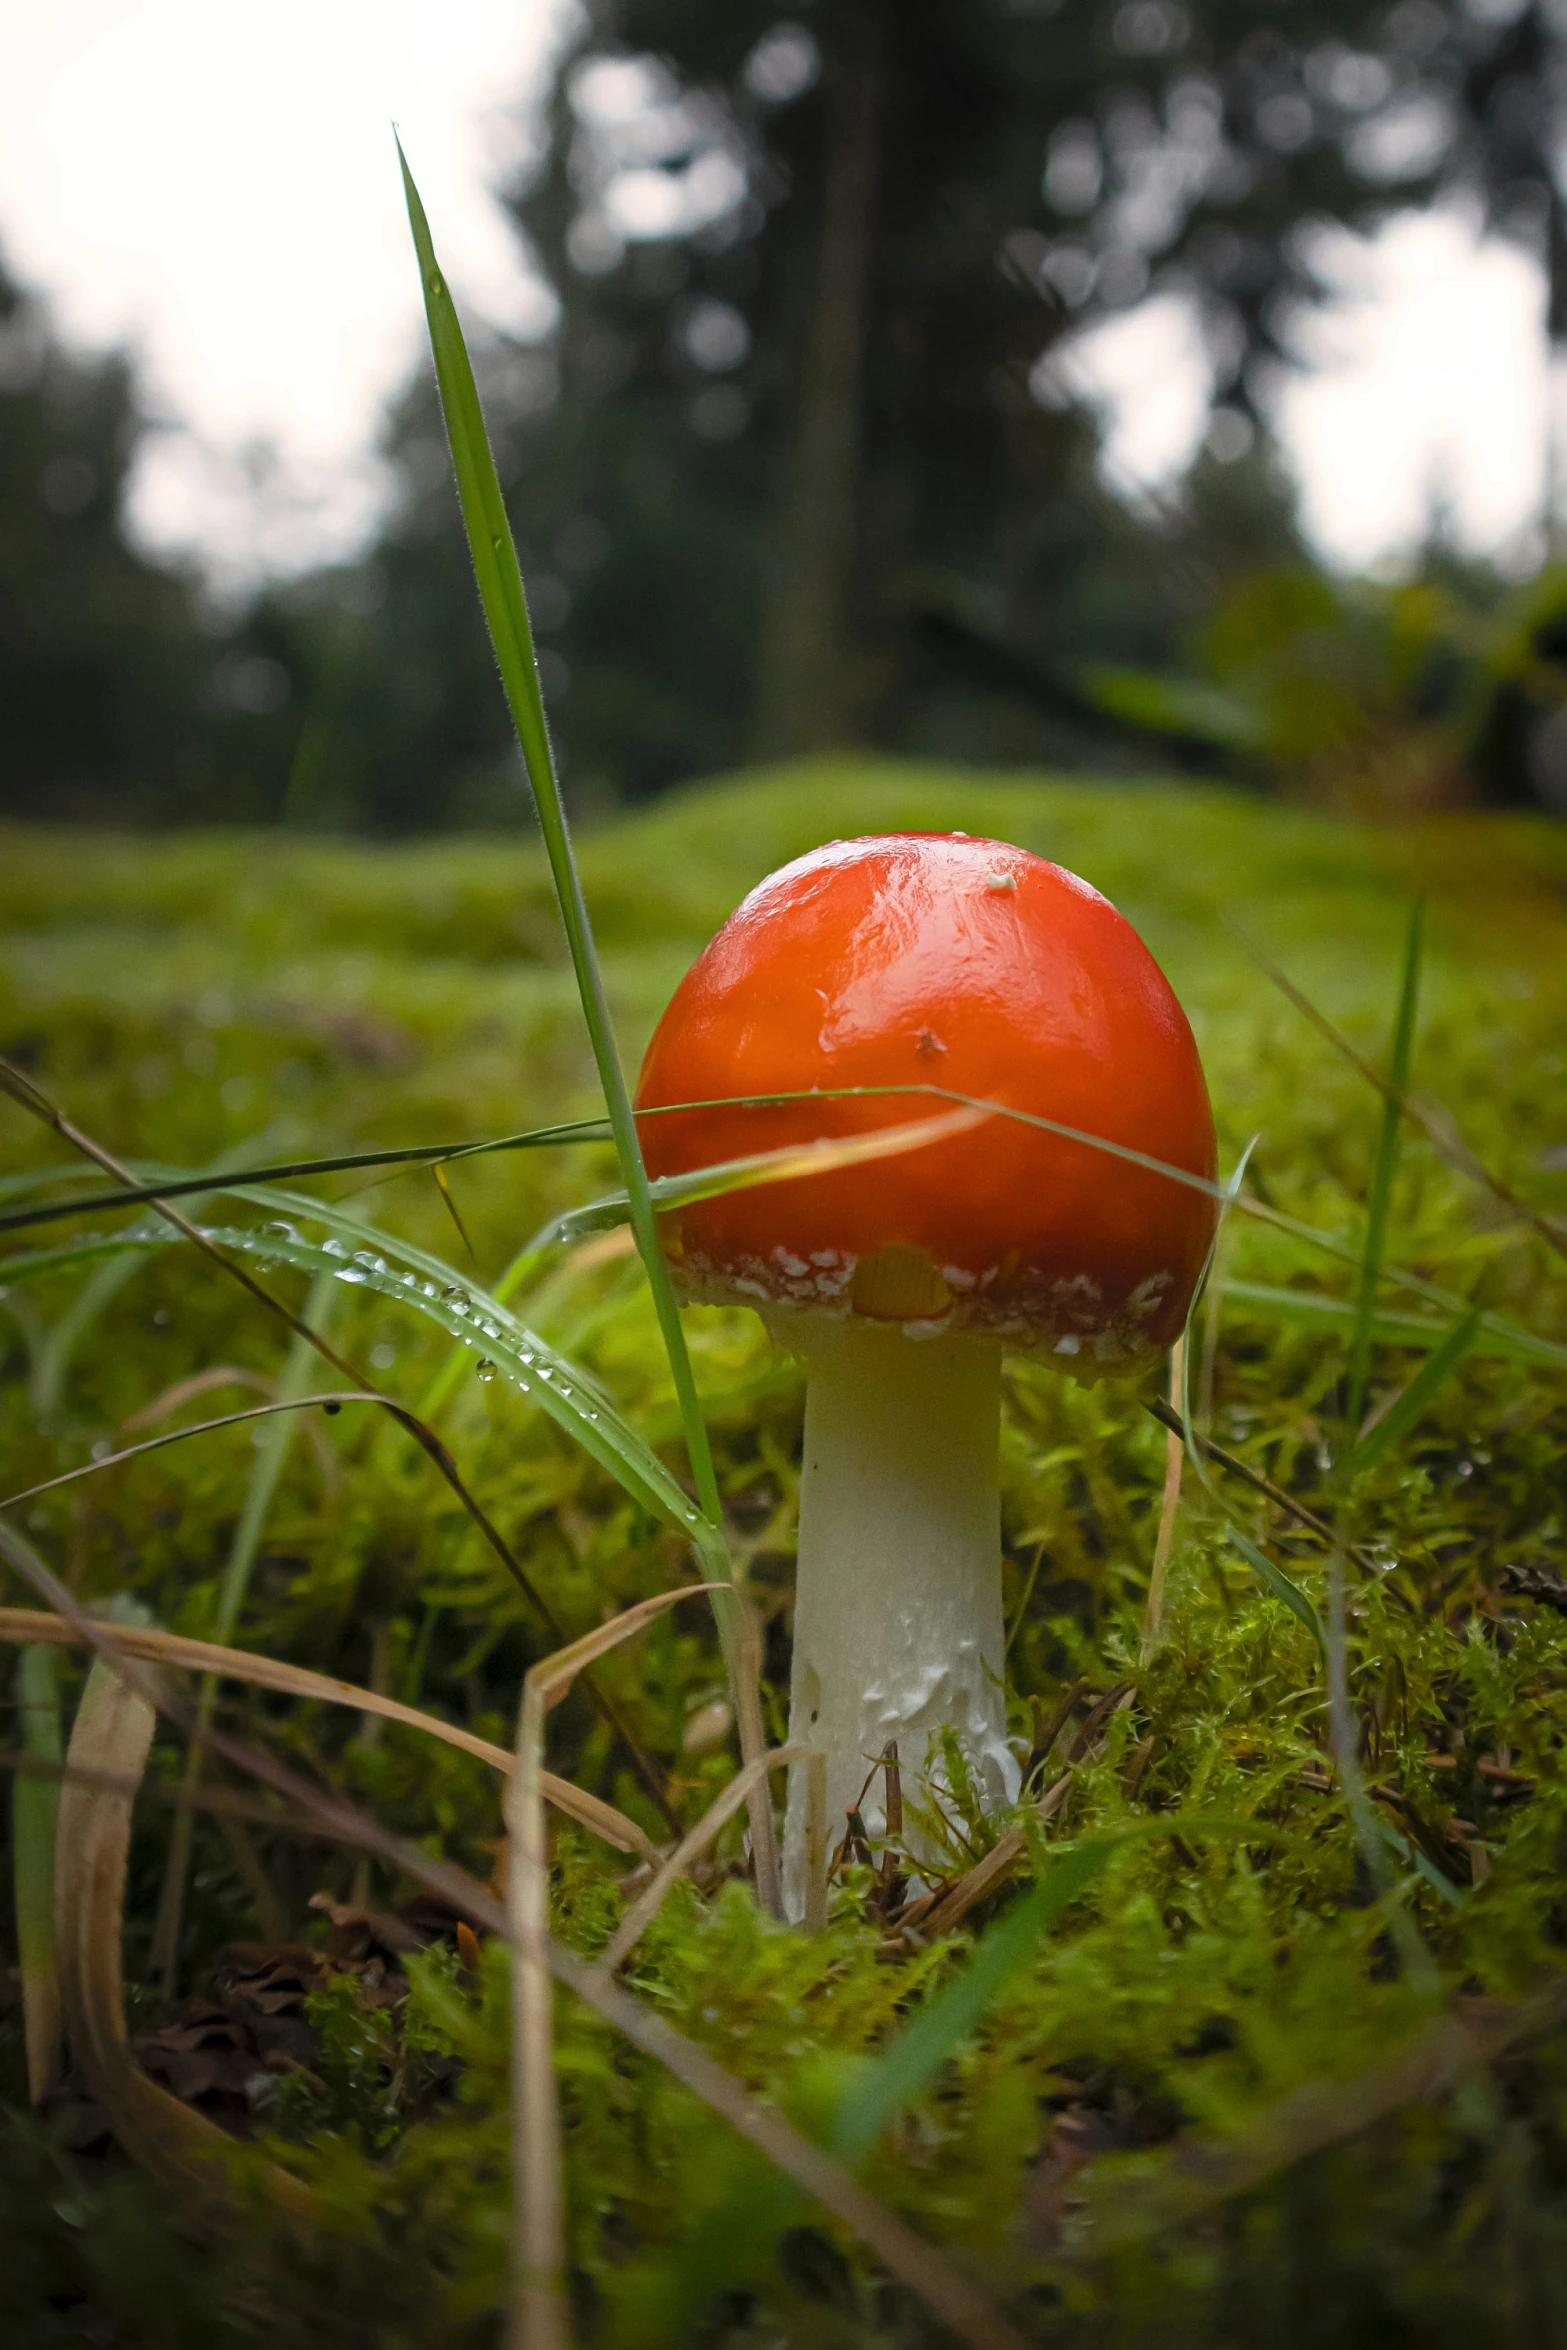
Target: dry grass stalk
[(265, 1672), (181, 2148), (540, 2314), (690, 1849)]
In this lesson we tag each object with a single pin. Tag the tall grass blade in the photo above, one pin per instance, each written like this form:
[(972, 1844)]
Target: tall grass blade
[(499, 578), (35, 1805), (1384, 1170)]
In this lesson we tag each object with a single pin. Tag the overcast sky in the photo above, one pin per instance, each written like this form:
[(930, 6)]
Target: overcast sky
[(214, 182)]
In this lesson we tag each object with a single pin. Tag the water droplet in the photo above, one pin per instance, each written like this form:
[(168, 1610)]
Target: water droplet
[(484, 1368), (281, 1229), (350, 1273), (527, 1358), (333, 1247), (545, 1371)]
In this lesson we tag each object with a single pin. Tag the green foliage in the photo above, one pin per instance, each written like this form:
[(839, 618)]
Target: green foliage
[(1035, 2064), (1366, 696)]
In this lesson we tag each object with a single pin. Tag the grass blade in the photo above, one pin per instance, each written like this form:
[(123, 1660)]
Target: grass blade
[(499, 578), (1384, 1170), (899, 2074), (470, 1314), (180, 1183), (761, 1167), (1403, 1415), (1271, 1576)]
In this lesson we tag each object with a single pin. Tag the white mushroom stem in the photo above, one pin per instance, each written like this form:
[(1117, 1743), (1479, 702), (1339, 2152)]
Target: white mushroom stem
[(897, 1619)]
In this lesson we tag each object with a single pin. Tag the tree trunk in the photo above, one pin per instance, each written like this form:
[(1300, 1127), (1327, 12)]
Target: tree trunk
[(805, 697)]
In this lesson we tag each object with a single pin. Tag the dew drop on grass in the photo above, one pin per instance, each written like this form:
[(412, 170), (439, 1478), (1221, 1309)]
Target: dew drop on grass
[(280, 1229), (350, 1273), (484, 1369)]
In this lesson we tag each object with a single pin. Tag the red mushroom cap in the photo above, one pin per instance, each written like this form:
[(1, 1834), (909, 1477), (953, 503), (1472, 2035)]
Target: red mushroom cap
[(930, 959)]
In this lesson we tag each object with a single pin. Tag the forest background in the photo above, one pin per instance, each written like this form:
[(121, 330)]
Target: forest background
[(798, 466)]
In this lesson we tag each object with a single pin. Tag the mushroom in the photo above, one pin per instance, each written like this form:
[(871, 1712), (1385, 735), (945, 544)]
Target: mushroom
[(910, 961)]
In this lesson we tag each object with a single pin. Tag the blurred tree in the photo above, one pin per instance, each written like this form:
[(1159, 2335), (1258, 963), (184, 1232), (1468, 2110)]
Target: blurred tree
[(797, 464), (105, 670), (798, 467)]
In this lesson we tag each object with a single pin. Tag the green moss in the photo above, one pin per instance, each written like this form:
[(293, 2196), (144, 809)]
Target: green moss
[(207, 993)]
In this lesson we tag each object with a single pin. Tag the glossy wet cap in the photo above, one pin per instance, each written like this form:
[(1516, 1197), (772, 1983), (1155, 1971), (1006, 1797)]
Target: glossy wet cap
[(935, 960)]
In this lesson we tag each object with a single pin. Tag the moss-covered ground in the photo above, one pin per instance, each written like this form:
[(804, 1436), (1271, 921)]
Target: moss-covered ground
[(1215, 2104)]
